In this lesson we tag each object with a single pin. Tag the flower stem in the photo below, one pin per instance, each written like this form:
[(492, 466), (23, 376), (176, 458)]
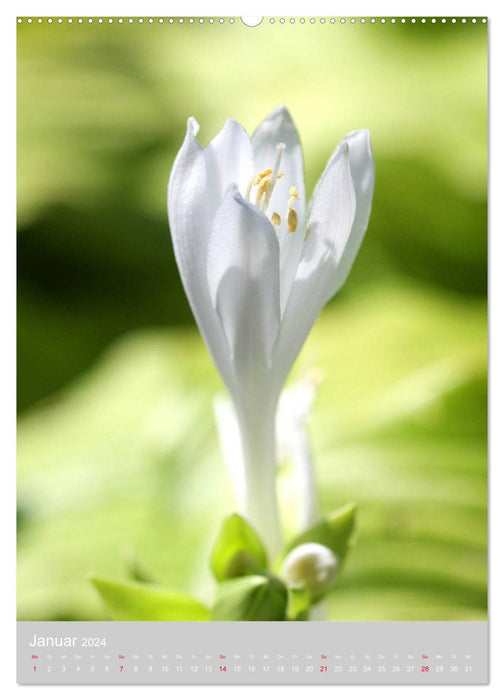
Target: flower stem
[(257, 429)]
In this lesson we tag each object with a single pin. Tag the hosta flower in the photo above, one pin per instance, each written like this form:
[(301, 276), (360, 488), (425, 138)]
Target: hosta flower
[(257, 265)]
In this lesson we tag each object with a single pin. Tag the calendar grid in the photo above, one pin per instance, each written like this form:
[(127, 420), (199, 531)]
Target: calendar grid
[(253, 652)]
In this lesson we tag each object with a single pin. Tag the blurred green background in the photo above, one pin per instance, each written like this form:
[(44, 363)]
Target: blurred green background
[(117, 447)]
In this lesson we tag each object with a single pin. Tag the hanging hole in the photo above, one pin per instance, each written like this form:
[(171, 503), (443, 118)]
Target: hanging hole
[(251, 21)]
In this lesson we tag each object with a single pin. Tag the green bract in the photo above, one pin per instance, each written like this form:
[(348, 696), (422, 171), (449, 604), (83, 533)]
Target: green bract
[(299, 601), (333, 531), (237, 551), (251, 598)]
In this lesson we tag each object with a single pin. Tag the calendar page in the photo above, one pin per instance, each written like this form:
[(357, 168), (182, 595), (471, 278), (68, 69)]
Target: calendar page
[(252, 350)]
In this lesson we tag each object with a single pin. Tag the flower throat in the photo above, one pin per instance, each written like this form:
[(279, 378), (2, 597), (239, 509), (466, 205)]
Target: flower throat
[(264, 183)]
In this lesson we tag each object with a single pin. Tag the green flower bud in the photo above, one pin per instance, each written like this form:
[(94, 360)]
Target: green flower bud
[(312, 566)]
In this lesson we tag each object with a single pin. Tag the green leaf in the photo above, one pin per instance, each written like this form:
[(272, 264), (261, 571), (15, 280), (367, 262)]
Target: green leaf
[(238, 550), (136, 601), (299, 601), (334, 531), (251, 598)]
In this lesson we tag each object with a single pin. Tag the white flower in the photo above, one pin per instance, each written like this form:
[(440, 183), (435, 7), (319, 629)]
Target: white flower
[(257, 267)]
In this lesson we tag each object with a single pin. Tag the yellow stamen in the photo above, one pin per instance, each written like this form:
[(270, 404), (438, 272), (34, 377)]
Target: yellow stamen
[(293, 192), (292, 221), (264, 185), (275, 219), (262, 189), (265, 181)]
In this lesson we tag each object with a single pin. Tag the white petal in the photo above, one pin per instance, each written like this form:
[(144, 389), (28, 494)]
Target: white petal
[(190, 226), (229, 159), (363, 175), (331, 220), (243, 280), (278, 127)]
